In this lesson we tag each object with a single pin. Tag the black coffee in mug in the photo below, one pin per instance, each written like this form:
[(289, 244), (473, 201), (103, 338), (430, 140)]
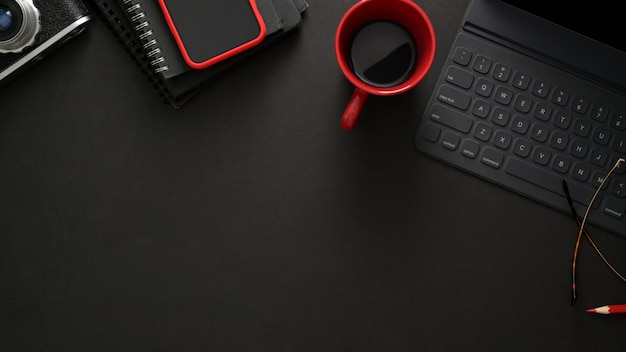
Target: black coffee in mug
[(382, 53)]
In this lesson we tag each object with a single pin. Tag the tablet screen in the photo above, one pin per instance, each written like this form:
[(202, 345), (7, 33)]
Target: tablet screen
[(597, 20)]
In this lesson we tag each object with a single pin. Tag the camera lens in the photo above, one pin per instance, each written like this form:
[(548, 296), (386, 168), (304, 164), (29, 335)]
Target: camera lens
[(19, 24), (8, 21)]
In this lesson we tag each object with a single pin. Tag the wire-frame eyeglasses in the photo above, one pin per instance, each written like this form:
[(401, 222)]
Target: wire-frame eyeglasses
[(581, 223)]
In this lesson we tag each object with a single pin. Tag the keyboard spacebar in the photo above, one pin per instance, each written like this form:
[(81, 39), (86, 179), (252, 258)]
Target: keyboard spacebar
[(547, 180)]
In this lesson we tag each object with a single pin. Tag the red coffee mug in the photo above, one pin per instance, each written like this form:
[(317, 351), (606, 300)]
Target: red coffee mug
[(404, 13)]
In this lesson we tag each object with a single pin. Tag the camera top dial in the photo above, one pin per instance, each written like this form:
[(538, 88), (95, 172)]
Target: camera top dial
[(19, 25)]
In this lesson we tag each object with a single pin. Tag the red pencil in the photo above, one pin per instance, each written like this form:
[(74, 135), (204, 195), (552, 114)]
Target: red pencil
[(609, 309)]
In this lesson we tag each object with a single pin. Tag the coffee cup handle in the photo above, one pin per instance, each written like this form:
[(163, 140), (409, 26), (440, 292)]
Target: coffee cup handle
[(351, 114)]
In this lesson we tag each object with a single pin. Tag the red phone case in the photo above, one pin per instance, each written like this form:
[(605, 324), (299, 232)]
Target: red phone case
[(220, 57)]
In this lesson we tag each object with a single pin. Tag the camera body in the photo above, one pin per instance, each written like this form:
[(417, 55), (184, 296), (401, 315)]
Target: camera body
[(30, 29)]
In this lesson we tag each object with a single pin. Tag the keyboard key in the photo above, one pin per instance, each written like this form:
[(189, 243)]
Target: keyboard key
[(614, 208), (621, 168), (503, 95), (599, 113), (601, 135), (619, 144), (502, 139), (450, 140), (501, 72), (430, 132), (561, 164), (483, 131), (597, 178), (542, 156), (542, 111), (482, 64), (481, 108), (520, 80), (540, 133), (523, 103), (580, 105), (470, 148), (562, 119), (559, 140), (598, 157), (500, 117), (579, 149), (619, 187), (540, 89), (462, 56), (520, 124), (522, 147), (581, 172), (459, 77), (547, 180), (492, 157), (451, 118), (560, 96), (582, 128), (618, 120), (484, 87), (454, 97)]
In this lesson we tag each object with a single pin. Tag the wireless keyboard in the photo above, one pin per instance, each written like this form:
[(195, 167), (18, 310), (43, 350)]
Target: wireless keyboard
[(525, 125)]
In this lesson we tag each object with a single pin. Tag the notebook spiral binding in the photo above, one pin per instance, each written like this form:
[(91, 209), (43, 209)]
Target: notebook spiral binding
[(114, 15), (145, 34)]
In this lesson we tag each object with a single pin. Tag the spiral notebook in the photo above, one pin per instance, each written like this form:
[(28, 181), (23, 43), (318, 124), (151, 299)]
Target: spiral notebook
[(142, 29)]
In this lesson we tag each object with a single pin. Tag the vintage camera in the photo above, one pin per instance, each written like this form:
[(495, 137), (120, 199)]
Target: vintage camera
[(30, 29)]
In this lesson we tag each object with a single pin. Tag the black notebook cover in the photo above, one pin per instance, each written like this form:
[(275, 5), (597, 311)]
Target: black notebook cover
[(142, 29)]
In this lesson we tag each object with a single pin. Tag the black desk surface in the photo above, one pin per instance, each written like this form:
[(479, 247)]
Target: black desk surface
[(249, 221)]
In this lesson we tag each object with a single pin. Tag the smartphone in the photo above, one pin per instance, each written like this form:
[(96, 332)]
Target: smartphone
[(210, 31)]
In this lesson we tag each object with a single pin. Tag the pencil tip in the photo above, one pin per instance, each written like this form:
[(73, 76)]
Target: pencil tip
[(591, 310)]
